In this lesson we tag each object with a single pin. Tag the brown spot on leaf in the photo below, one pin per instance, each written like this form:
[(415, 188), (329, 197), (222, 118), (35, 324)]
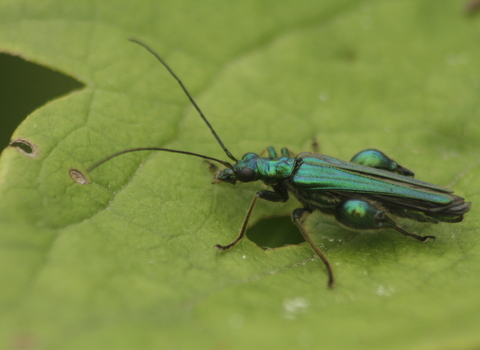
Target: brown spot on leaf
[(78, 177)]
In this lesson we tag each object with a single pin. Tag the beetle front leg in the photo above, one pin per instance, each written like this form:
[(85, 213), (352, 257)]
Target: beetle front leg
[(374, 158), (279, 194), (270, 151), (296, 218), (362, 215), (212, 166)]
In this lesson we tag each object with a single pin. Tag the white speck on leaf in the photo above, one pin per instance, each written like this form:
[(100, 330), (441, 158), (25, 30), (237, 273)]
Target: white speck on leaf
[(385, 291), (295, 306), (323, 96)]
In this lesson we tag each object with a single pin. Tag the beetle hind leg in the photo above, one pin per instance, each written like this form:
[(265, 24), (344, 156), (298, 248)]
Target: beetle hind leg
[(414, 236), (362, 215), (374, 158)]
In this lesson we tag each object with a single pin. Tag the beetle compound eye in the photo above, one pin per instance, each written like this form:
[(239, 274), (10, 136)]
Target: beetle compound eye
[(246, 175)]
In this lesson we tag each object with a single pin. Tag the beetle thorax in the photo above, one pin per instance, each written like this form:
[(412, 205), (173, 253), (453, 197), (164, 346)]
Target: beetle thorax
[(253, 168)]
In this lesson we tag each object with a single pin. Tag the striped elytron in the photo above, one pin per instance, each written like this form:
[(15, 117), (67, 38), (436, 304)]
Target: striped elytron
[(360, 194)]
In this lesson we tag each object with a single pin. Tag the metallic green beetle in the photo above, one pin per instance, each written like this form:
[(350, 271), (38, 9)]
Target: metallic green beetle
[(359, 194)]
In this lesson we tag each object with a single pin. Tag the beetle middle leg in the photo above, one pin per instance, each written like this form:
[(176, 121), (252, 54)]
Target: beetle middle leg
[(296, 218), (362, 215)]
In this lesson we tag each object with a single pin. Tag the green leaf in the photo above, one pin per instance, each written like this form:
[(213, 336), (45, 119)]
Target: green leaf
[(127, 260)]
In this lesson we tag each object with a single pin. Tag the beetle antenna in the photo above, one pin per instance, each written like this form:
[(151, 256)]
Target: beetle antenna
[(228, 165), (192, 101)]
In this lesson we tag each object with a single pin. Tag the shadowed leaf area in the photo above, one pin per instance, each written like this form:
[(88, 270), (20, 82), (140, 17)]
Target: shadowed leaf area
[(25, 87)]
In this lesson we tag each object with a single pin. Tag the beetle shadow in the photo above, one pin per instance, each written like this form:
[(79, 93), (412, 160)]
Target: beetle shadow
[(277, 232), (274, 232)]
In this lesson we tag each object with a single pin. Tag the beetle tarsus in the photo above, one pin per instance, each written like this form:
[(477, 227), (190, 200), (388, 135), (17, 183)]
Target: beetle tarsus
[(414, 236)]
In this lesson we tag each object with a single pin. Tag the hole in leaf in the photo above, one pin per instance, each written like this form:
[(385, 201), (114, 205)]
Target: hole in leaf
[(275, 233), (25, 147), (78, 177), (24, 87)]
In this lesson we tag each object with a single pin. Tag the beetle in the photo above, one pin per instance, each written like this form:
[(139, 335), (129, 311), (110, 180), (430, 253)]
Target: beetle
[(361, 194)]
